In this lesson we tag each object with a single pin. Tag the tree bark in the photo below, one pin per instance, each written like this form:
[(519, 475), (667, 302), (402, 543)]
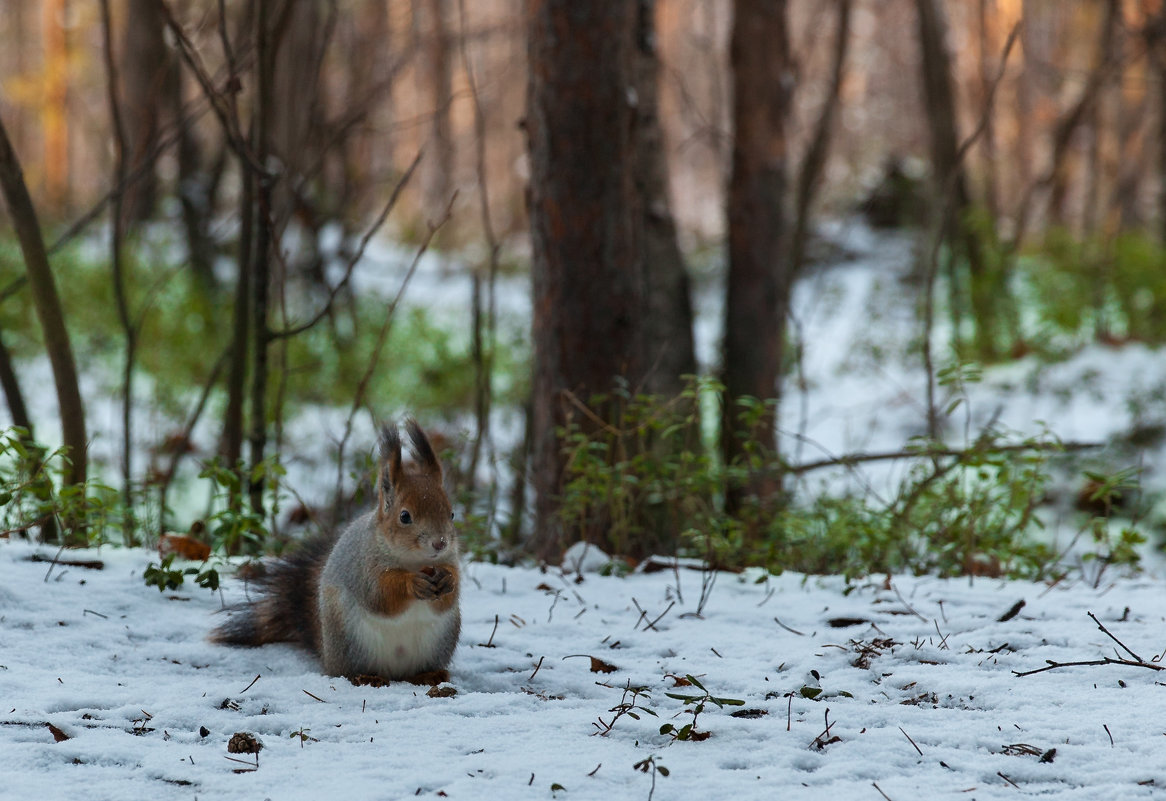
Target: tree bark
[(818, 150), (149, 74), (435, 85), (759, 275), (585, 226), (950, 184), (48, 308), (668, 326), (17, 409), (54, 114), (266, 50)]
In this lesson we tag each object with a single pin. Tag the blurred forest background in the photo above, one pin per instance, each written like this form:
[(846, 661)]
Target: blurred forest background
[(207, 176)]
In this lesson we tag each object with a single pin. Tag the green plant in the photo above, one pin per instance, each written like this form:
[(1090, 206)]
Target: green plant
[(234, 525), (695, 705), (635, 481), (651, 765), (165, 576), (958, 511), (34, 494), (1098, 287)]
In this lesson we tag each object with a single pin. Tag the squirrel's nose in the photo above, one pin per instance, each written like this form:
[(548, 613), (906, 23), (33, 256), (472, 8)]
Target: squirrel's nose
[(439, 544)]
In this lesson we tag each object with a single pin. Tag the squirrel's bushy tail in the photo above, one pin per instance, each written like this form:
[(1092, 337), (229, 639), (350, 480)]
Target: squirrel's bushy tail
[(286, 610)]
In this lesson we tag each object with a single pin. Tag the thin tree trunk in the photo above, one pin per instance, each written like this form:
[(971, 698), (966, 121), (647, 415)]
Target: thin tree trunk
[(117, 225), (585, 228), (814, 162), (17, 409), (1159, 51), (48, 308), (1078, 114), (54, 117), (759, 276), (147, 68), (483, 302), (950, 185), (20, 418), (987, 54), (265, 50), (435, 84), (668, 326)]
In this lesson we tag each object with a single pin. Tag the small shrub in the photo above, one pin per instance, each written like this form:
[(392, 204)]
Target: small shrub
[(959, 510)]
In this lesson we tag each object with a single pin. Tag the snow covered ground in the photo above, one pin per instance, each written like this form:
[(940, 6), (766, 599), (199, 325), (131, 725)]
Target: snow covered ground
[(109, 690)]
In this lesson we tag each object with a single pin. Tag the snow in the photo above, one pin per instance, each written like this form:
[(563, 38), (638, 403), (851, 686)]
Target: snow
[(127, 675)]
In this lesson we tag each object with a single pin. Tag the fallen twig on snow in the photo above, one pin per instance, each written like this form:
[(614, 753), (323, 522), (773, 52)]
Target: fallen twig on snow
[(1134, 661)]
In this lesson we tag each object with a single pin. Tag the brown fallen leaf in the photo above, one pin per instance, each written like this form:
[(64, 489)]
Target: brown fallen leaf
[(58, 735), (184, 546), (599, 666)]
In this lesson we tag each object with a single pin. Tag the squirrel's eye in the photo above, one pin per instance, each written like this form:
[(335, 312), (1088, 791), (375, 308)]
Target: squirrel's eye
[(406, 518), (451, 515)]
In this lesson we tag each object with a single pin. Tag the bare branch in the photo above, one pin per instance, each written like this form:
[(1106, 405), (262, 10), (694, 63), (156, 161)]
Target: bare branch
[(355, 258)]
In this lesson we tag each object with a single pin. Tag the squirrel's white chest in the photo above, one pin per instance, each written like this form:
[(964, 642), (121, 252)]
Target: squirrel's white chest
[(402, 644)]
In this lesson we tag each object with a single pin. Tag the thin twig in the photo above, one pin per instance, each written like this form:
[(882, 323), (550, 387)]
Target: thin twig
[(908, 736), (383, 336), (910, 608), (1107, 632), (787, 628), (490, 642), (354, 258), (1005, 778), (852, 459)]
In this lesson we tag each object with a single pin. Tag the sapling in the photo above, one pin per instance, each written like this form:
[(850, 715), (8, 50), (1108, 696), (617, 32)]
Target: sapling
[(688, 731)]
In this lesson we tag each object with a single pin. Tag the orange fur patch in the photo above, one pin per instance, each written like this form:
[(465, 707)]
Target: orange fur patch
[(396, 592), (449, 600)]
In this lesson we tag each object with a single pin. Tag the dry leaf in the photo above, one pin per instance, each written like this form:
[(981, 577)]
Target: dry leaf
[(184, 546), (599, 666)]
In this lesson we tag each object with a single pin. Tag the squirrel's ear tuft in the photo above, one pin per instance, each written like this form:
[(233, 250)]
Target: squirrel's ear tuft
[(422, 450), (390, 464)]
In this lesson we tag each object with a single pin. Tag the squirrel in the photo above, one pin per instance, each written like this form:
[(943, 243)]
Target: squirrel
[(379, 601)]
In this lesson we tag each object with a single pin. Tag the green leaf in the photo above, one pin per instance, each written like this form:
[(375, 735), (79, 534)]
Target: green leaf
[(727, 701), (810, 692)]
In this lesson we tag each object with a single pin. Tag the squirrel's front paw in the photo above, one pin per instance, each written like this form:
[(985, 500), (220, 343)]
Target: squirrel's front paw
[(431, 583)]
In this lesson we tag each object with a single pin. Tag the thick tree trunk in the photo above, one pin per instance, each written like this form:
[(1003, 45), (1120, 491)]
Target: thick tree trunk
[(759, 276), (48, 308), (585, 226)]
